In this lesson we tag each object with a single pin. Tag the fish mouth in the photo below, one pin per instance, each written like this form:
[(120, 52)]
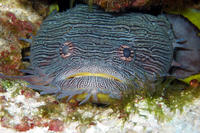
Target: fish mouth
[(94, 84), (89, 74)]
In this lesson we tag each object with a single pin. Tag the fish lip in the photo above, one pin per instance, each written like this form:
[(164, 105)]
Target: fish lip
[(89, 74)]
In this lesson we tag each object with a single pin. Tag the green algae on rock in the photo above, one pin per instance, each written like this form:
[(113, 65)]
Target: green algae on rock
[(161, 104)]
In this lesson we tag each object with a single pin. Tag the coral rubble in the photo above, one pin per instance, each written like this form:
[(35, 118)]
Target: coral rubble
[(120, 5), (16, 21), (23, 110)]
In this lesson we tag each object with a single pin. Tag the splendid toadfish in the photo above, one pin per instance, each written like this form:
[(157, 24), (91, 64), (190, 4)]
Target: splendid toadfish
[(78, 52)]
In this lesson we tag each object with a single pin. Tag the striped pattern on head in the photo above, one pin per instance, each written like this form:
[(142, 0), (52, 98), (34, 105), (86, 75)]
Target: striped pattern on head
[(96, 48)]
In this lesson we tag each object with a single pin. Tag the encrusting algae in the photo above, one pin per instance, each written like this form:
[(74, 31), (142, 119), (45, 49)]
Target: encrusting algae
[(16, 22), (147, 5)]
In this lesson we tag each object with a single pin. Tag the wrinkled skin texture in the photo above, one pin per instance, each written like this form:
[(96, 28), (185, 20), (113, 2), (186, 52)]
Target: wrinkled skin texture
[(80, 52)]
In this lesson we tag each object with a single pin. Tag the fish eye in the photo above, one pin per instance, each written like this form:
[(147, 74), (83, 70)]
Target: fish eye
[(125, 53), (66, 49)]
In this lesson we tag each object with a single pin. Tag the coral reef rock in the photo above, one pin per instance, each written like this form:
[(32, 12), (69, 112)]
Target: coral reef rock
[(22, 109), (120, 5), (16, 21)]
